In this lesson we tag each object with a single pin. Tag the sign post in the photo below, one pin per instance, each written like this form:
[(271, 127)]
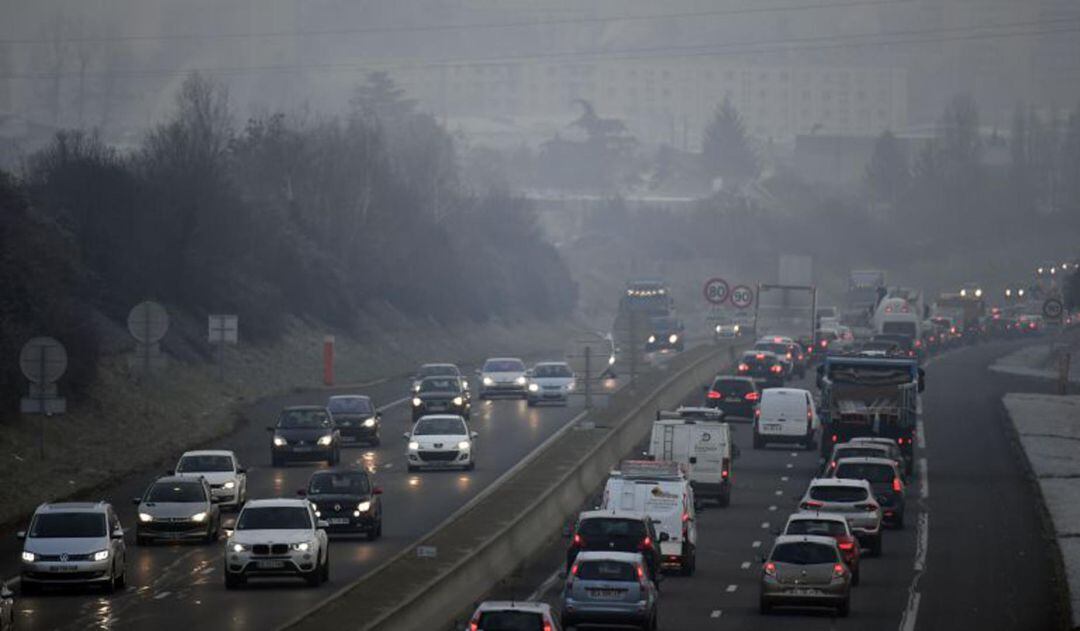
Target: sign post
[(43, 361), (222, 329)]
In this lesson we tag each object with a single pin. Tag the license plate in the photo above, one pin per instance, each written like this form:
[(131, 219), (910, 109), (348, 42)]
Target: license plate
[(802, 591), (64, 568), (771, 426), (303, 448), (334, 521), (270, 565), (345, 438), (437, 406), (605, 594)]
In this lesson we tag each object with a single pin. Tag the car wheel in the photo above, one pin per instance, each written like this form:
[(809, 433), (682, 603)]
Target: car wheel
[(471, 466), (141, 540), (109, 586), (725, 499), (411, 468), (213, 534), (845, 608), (121, 581), (376, 532), (375, 442), (811, 444), (530, 403), (232, 581), (314, 577)]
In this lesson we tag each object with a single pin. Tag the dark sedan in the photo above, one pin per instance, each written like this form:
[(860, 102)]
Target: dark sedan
[(736, 397), (305, 432), (762, 366), (347, 501), (356, 419), (441, 395)]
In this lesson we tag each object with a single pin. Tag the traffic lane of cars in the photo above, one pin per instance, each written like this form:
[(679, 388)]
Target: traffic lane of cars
[(190, 576)]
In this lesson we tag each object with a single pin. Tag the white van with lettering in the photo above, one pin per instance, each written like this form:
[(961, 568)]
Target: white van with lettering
[(786, 415)]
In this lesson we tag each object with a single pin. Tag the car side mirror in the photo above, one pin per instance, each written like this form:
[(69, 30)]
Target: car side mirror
[(136, 501), (170, 472), (477, 372), (118, 533), (242, 470), (20, 535), (693, 459), (322, 524), (301, 492), (406, 435), (474, 435), (664, 537), (378, 415), (5, 592), (377, 490), (270, 428)]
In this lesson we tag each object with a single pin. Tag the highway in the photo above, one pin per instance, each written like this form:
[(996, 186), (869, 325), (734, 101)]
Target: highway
[(181, 586), (972, 555)]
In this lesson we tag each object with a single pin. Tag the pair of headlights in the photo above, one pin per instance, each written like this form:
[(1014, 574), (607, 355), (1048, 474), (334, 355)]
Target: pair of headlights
[(417, 402), (521, 380), (100, 555), (303, 546), (323, 441), (463, 445), (197, 517)]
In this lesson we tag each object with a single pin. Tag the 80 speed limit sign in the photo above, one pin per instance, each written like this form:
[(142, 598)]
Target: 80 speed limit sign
[(716, 291), (742, 296)]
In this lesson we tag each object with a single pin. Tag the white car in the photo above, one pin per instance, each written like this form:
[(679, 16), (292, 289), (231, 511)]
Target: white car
[(508, 614), (434, 370), (852, 499), (73, 542), (550, 382), (786, 415), (503, 376), (441, 441), (727, 330), (222, 470), (277, 537)]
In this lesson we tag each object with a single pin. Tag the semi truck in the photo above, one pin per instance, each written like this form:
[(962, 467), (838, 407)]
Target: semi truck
[(865, 289), (870, 397)]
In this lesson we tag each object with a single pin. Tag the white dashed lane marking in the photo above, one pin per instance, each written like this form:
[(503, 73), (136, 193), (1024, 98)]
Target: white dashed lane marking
[(745, 565), (731, 588), (716, 613), (756, 544)]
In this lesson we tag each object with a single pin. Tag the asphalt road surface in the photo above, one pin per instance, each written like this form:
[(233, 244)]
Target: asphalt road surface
[(181, 586), (972, 554)]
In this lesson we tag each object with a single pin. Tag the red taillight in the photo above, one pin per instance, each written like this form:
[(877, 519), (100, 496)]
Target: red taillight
[(640, 573), (770, 569), (834, 437), (788, 355), (809, 414), (897, 485), (573, 570), (752, 396), (824, 343), (847, 546), (646, 544), (547, 626), (1031, 326), (744, 367), (811, 504), (685, 516), (918, 343), (759, 356), (838, 570), (578, 541), (757, 413), (776, 368), (832, 465), (713, 394), (724, 474), (474, 625)]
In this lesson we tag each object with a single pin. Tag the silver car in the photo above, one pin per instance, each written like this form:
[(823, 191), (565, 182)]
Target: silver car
[(503, 376), (805, 571), (73, 543), (609, 588), (177, 508), (550, 382), (854, 499)]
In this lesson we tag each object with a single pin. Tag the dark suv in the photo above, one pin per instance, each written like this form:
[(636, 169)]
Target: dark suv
[(616, 531), (346, 500), (736, 397)]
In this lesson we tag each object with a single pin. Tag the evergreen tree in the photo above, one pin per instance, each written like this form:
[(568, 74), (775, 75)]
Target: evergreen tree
[(726, 148)]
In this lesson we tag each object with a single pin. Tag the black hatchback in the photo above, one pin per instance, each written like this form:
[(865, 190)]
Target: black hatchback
[(441, 395), (737, 397), (616, 531), (762, 366), (347, 500), (305, 432), (356, 419)]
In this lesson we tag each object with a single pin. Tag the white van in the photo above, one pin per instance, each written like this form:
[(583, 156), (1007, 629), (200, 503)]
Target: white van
[(786, 415), (660, 489), (696, 438)]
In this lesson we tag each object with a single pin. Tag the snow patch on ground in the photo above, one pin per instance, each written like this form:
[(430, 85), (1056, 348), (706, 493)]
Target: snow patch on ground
[(1037, 361), (1049, 430)]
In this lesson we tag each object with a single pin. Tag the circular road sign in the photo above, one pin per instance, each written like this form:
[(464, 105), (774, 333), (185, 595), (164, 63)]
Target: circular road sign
[(148, 322), (1052, 308), (742, 296), (716, 291), (43, 360)]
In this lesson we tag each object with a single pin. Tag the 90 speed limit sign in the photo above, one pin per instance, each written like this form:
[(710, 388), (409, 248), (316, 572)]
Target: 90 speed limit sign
[(716, 291), (742, 296)]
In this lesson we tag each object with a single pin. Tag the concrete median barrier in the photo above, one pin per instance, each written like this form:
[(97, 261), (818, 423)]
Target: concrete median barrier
[(431, 581)]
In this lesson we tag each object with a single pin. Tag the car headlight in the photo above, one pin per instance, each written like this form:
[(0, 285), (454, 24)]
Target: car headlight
[(326, 440), (303, 546), (29, 557), (279, 441), (238, 547), (145, 517), (672, 338), (652, 339), (416, 387), (520, 380), (414, 445), (736, 328), (611, 360), (363, 507), (231, 484), (534, 387), (199, 517), (465, 384), (488, 381), (318, 513), (417, 402), (570, 386), (458, 401), (100, 555), (717, 328), (370, 422), (463, 445)]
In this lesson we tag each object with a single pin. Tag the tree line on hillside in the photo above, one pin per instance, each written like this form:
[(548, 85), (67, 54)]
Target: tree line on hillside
[(286, 215)]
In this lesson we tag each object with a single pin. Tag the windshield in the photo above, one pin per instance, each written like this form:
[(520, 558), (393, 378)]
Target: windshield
[(608, 527), (354, 483), (68, 525), (504, 365), (552, 371), (176, 492), (823, 527), (872, 473), (838, 494), (606, 571), (804, 553), (204, 464), (274, 518), (439, 426), (307, 418), (438, 370), (440, 384), (350, 405), (511, 621)]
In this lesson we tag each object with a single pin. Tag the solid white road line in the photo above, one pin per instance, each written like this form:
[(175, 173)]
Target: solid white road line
[(773, 507), (794, 454), (162, 595), (790, 466), (544, 587), (924, 480), (393, 404), (911, 612)]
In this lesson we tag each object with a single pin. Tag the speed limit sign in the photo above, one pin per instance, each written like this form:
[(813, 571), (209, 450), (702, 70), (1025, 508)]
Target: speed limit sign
[(716, 291), (742, 296)]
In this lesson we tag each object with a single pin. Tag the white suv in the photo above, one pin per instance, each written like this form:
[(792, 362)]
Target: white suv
[(854, 500), (73, 542), (277, 537)]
